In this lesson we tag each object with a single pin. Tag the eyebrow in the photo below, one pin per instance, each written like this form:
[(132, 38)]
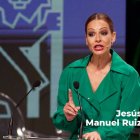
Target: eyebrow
[(99, 29)]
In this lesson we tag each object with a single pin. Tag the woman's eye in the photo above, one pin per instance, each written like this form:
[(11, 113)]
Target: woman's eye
[(90, 34), (104, 33)]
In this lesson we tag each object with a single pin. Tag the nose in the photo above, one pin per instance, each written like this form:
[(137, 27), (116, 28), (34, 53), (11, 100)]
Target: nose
[(97, 38)]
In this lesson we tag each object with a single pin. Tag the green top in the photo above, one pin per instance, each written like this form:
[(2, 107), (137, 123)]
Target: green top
[(119, 90)]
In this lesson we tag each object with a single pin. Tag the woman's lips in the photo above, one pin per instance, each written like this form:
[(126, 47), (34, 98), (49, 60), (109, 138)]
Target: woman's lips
[(98, 47)]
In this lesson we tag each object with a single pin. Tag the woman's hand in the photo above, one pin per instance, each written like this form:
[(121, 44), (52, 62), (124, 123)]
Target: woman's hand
[(92, 136), (70, 110)]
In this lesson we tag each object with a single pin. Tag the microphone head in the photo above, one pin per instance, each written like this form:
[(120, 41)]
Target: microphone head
[(36, 83), (76, 84)]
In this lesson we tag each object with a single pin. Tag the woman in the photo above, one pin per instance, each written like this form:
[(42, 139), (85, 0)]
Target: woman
[(109, 88)]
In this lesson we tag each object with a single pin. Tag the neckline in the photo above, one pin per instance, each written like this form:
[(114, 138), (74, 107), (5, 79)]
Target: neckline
[(99, 86)]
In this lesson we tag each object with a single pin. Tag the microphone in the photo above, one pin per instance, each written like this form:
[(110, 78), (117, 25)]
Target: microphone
[(76, 86), (34, 85)]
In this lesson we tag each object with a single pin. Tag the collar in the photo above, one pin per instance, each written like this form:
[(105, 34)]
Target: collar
[(117, 65)]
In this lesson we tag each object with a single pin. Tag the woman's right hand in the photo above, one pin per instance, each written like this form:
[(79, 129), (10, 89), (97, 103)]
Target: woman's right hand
[(70, 110)]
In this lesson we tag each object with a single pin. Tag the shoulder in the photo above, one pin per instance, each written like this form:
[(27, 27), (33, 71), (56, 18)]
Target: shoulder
[(82, 62), (133, 74), (120, 66), (75, 66)]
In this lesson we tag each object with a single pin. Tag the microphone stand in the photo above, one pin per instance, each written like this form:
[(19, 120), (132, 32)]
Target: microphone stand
[(82, 115), (76, 86), (10, 127), (11, 122)]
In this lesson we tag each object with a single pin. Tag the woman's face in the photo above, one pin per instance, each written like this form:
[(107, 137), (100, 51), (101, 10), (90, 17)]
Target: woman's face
[(99, 37)]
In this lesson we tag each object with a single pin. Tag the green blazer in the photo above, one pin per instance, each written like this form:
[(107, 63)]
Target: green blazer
[(119, 90)]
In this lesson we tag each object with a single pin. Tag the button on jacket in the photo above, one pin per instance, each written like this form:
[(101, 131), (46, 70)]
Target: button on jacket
[(119, 90)]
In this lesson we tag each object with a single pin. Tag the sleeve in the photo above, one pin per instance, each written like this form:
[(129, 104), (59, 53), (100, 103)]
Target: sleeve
[(130, 102), (59, 118)]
